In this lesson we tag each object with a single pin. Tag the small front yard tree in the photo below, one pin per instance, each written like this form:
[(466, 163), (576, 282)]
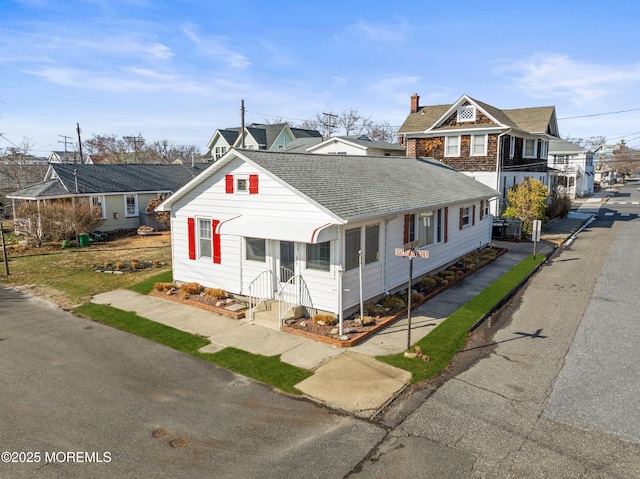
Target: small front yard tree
[(527, 201), (56, 221)]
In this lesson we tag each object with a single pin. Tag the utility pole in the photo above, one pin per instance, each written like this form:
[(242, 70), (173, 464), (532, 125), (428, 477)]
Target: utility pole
[(4, 251), (80, 143), (135, 140), (66, 138), (242, 122), (329, 125)]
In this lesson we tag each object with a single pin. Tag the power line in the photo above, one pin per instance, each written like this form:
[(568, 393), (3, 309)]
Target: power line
[(599, 114)]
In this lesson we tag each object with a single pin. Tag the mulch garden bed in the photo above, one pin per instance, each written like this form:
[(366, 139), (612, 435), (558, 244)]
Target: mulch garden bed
[(231, 307), (353, 330), (378, 315)]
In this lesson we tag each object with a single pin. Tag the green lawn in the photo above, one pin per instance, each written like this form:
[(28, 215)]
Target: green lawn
[(446, 340), (269, 370), (442, 344)]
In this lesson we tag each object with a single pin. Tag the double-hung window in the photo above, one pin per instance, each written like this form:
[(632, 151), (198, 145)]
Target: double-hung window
[(530, 148), (97, 205), (319, 256), (204, 238), (131, 205), (451, 146), (512, 146), (429, 227), (465, 216), (478, 145)]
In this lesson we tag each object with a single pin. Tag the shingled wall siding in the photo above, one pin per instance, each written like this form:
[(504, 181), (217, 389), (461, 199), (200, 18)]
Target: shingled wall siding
[(518, 163), (481, 119), (434, 148)]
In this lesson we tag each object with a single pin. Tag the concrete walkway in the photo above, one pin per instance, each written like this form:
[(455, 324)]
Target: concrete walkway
[(346, 379)]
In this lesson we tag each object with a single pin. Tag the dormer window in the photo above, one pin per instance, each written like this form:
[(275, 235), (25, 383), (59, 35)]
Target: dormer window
[(467, 113)]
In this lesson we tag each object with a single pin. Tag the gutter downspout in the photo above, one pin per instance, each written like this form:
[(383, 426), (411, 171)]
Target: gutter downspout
[(498, 163)]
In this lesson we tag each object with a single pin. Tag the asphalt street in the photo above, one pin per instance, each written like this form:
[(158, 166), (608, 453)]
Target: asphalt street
[(543, 404), (103, 403)]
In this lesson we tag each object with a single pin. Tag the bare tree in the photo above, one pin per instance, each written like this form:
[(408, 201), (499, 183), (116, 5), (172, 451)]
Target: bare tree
[(18, 168), (350, 122), (170, 152), (382, 132), (626, 161), (589, 143), (134, 149)]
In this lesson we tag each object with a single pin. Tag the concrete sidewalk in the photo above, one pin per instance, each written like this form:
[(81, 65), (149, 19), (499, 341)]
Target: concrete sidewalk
[(347, 379)]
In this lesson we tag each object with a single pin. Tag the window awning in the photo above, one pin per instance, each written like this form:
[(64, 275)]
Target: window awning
[(284, 229)]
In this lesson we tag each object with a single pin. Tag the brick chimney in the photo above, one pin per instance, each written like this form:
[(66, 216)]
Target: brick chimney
[(415, 99)]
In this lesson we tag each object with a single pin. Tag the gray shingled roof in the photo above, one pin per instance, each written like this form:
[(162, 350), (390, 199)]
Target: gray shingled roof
[(563, 146), (367, 142), (301, 144), (117, 178), (531, 120), (355, 187), (230, 135)]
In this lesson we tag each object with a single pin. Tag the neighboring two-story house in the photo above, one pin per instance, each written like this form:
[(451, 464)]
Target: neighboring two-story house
[(499, 148), (571, 170), (257, 136)]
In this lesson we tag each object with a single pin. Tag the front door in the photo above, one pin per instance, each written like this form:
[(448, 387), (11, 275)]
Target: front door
[(286, 261)]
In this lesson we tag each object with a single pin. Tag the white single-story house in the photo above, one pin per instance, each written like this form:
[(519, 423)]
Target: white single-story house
[(257, 222)]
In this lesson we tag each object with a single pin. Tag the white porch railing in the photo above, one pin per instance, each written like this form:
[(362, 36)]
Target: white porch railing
[(292, 294), (261, 290)]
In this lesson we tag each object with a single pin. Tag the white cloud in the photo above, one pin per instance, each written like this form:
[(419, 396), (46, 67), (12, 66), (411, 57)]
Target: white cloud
[(214, 46), (396, 87), (559, 76), (378, 32)]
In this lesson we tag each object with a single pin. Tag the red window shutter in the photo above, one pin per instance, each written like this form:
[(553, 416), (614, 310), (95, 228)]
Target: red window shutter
[(481, 209), (228, 183), (446, 224), (407, 222), (460, 222), (473, 217), (253, 184), (191, 229), (215, 236)]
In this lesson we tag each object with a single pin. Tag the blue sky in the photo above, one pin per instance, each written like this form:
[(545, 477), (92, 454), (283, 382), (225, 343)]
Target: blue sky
[(177, 70)]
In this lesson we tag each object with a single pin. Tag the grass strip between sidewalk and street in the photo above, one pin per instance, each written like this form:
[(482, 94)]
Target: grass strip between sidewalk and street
[(146, 285), (265, 369), (448, 338)]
